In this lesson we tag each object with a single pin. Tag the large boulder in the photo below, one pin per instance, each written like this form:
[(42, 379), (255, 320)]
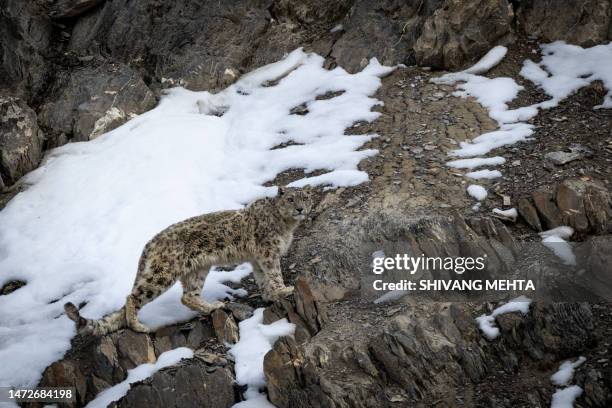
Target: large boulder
[(192, 383), (95, 100), (581, 22), (21, 140), (461, 31), (374, 29)]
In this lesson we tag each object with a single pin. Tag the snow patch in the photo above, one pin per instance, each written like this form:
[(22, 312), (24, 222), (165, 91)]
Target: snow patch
[(566, 68), (490, 59), (487, 322), (478, 192), (555, 240), (566, 372), (510, 213), (565, 398), (563, 231), (476, 162), (256, 339), (484, 174)]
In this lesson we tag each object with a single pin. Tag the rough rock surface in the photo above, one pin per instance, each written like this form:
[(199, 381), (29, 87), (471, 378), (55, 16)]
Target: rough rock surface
[(189, 384), (72, 8), (95, 100), (25, 35), (75, 61), (455, 32), (582, 22), (21, 140)]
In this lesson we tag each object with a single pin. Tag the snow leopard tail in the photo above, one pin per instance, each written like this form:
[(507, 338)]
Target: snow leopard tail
[(107, 324)]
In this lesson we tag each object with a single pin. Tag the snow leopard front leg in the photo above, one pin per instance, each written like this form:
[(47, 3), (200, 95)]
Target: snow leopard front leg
[(270, 278)]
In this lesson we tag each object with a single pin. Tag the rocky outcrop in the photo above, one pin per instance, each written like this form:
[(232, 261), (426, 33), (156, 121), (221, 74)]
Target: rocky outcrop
[(412, 354), (583, 203), (583, 22), (457, 32), (95, 100), (21, 141), (193, 383), (95, 364)]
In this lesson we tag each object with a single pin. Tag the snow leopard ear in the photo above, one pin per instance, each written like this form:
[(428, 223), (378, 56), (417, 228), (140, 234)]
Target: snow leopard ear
[(282, 191)]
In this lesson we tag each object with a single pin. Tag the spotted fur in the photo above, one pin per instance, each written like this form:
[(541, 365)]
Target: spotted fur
[(185, 251)]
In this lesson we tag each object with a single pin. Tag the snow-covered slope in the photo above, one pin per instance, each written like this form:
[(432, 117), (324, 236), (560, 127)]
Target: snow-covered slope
[(76, 233)]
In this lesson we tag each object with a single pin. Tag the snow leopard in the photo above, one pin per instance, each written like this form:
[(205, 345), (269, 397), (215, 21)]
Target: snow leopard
[(260, 234)]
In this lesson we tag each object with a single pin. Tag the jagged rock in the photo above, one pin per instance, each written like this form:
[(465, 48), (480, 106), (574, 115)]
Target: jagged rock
[(597, 386), (312, 312), (225, 327), (66, 373), (21, 140), (456, 33), (376, 30), (418, 356), (192, 383), (106, 363), (240, 311), (582, 22), (168, 338), (210, 358), (134, 349), (570, 200), (348, 364), (310, 11), (547, 209), (73, 8), (598, 208), (529, 214), (198, 333), (280, 369), (96, 100), (25, 33), (550, 331)]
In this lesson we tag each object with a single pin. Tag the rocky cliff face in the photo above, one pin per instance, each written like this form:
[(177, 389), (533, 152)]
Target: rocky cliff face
[(74, 69)]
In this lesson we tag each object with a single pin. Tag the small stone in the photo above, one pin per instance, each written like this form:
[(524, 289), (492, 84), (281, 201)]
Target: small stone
[(416, 150), (561, 158), (240, 311), (225, 327), (11, 286), (210, 358), (353, 201)]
